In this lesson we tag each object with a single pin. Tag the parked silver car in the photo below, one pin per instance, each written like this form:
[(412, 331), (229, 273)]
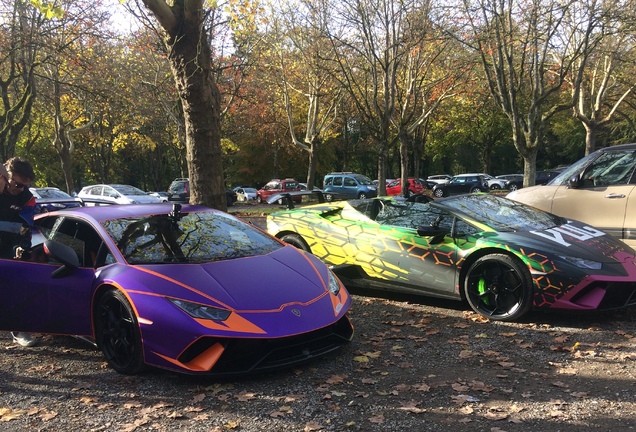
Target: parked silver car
[(245, 194), (118, 194)]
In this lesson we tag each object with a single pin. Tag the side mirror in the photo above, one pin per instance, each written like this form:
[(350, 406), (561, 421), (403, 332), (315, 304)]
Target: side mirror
[(62, 254), (574, 182), (437, 234)]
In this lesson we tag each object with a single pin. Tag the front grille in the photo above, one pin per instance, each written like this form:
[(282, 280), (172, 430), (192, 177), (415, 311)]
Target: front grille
[(619, 295), (257, 355)]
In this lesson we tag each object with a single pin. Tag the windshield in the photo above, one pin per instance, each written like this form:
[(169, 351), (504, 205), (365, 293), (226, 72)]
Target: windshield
[(187, 237), (364, 180), (572, 170), (502, 214), (128, 190), (52, 193)]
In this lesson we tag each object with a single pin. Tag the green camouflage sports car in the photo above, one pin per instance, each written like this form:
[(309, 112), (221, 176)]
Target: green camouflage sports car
[(501, 256)]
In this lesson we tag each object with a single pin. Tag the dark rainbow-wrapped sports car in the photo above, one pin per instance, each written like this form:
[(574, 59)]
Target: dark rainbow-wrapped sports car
[(501, 256), (184, 288)]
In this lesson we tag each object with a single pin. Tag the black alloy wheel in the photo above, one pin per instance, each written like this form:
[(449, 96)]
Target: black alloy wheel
[(117, 333), (499, 287)]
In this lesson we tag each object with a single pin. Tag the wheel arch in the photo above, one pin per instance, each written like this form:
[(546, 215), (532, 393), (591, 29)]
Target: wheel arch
[(283, 233), (100, 292), (478, 254)]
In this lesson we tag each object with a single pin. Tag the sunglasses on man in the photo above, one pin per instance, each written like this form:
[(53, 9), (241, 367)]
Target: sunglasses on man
[(16, 184)]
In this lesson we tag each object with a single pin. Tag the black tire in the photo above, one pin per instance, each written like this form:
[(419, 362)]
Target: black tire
[(476, 189), (439, 193), (259, 199), (297, 241), (495, 186), (362, 195), (513, 187), (499, 287), (328, 197), (117, 333)]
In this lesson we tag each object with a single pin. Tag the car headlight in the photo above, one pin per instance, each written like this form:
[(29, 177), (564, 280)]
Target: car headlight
[(582, 263), (196, 310), (334, 284)]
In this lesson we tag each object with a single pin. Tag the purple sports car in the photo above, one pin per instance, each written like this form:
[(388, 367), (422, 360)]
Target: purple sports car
[(166, 285)]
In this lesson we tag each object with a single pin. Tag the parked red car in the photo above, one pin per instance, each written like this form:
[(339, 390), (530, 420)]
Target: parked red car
[(395, 187), (276, 186)]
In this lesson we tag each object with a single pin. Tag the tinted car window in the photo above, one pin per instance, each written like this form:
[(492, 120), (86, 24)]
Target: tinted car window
[(193, 238), (97, 190), (611, 168), (409, 215), (574, 169), (78, 235), (367, 207), (337, 181), (129, 190), (178, 186), (363, 180)]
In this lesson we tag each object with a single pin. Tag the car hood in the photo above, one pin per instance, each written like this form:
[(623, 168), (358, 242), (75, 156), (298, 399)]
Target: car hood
[(574, 239), (258, 283), (540, 196)]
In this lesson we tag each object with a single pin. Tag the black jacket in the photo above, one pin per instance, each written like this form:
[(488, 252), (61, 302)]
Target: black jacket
[(16, 221)]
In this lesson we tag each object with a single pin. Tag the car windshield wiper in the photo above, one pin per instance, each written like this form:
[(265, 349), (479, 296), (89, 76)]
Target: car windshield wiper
[(559, 220)]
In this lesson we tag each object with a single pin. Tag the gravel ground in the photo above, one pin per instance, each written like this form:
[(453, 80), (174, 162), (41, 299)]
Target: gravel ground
[(414, 365)]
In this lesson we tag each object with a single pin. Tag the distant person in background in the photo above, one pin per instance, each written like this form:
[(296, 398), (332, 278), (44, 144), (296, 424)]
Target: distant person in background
[(17, 208)]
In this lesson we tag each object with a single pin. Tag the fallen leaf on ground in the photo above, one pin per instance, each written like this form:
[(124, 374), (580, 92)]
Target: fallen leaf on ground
[(377, 418), (312, 426), (336, 379)]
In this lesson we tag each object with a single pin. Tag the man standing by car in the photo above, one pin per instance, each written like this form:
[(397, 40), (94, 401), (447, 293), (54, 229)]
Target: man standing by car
[(17, 208)]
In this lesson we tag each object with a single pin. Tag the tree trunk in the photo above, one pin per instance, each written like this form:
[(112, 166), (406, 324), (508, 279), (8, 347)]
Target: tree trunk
[(189, 55), (590, 139), (313, 162), (404, 164), (528, 150), (383, 156), (66, 163), (201, 108)]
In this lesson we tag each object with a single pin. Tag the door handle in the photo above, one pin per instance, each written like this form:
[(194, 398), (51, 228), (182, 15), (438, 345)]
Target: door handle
[(613, 195)]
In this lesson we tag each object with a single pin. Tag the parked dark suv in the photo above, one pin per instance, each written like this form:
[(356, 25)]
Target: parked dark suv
[(179, 191), (346, 185), (462, 183), (541, 178)]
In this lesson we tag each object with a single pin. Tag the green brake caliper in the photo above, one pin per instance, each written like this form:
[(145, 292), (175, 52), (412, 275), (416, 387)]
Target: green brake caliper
[(481, 289)]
